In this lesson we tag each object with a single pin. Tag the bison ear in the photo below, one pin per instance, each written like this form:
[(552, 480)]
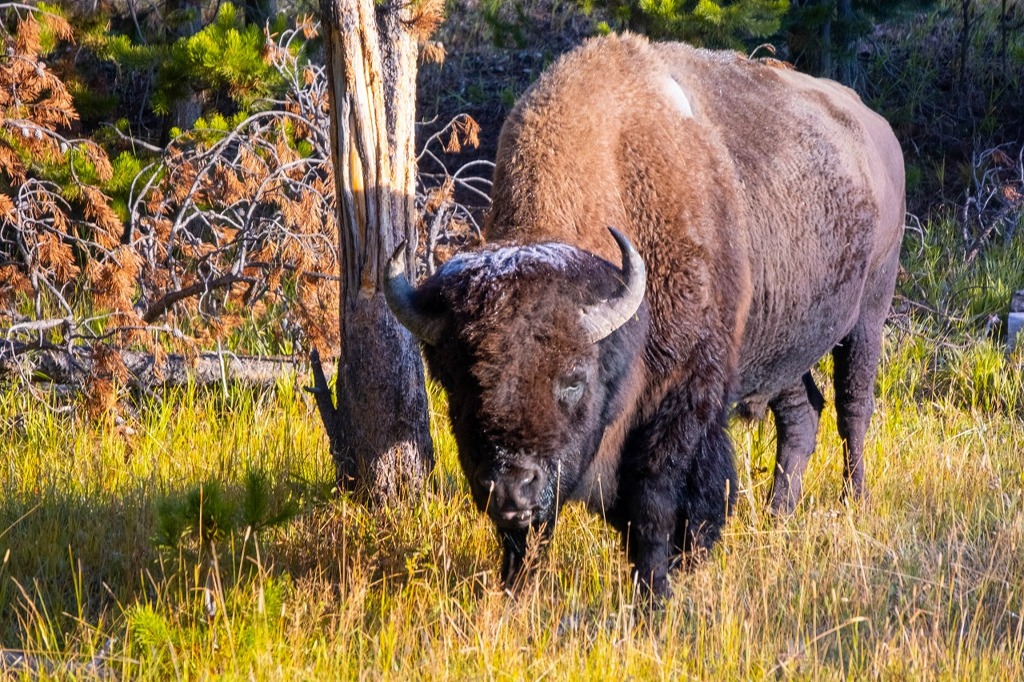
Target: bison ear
[(603, 318), (401, 299)]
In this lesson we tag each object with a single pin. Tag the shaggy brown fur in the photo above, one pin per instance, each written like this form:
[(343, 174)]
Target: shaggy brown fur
[(768, 208), (770, 219)]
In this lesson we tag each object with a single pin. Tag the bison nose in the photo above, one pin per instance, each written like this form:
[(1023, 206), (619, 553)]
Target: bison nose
[(513, 493)]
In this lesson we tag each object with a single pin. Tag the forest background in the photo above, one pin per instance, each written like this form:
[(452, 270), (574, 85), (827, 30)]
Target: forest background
[(166, 206)]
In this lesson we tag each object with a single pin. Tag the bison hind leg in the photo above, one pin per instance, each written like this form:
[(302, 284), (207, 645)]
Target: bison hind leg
[(856, 365), (797, 410), (709, 494)]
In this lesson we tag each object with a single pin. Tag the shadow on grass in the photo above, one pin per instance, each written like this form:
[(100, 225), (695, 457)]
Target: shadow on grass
[(74, 562), (68, 557)]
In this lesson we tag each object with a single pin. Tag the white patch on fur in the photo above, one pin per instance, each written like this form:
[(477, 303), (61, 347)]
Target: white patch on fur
[(676, 97), (508, 259)]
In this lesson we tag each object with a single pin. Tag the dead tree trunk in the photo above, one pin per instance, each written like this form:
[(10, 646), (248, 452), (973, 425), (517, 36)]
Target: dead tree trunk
[(184, 18), (379, 428)]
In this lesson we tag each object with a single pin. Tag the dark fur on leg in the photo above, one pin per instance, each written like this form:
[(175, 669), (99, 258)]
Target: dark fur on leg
[(648, 525), (517, 564), (797, 411), (681, 494), (856, 362), (856, 365), (513, 546), (649, 542), (709, 494)]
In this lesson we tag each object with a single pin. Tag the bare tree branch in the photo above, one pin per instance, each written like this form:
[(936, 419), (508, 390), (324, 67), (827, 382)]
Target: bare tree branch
[(170, 298)]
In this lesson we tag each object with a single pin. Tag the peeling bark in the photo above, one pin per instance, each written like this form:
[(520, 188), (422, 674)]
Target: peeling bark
[(379, 427)]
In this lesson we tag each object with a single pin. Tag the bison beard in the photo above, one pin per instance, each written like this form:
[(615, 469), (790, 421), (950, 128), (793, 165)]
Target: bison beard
[(761, 213)]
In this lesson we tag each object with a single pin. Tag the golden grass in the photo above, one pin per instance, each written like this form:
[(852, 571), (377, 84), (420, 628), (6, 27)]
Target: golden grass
[(925, 579), (102, 551)]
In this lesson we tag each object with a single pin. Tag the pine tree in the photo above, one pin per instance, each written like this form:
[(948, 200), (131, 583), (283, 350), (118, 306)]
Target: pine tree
[(710, 23), (197, 61), (821, 35)]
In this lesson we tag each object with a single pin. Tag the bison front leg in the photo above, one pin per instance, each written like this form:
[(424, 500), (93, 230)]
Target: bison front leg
[(649, 534), (710, 493), (516, 561), (680, 498), (513, 556), (797, 410)]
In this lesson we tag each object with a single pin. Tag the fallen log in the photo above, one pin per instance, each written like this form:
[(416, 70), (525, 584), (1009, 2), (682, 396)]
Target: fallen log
[(27, 665), (77, 366)]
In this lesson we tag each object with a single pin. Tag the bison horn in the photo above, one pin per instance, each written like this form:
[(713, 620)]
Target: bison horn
[(399, 296), (602, 318)]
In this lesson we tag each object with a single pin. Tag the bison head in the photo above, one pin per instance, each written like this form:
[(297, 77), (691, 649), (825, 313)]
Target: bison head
[(533, 344)]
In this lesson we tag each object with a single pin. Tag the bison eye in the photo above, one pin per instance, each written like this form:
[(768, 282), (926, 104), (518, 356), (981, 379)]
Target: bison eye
[(570, 388)]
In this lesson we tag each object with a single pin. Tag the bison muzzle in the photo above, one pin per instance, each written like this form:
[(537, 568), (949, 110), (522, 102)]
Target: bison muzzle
[(759, 216)]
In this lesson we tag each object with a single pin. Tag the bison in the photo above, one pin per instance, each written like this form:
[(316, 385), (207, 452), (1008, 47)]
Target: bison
[(759, 214)]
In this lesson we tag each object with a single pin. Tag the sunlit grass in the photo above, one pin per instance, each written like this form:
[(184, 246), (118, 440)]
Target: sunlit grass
[(201, 537)]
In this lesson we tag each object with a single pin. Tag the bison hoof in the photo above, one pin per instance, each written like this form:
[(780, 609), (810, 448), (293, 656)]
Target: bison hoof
[(854, 493), (651, 591), (783, 505)]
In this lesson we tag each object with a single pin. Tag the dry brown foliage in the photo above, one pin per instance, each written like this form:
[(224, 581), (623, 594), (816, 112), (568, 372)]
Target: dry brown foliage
[(42, 221), (446, 219), (230, 236), (427, 15), (34, 103), (433, 52), (224, 226)]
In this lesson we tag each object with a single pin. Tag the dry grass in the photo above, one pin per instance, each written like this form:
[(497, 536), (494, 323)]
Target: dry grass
[(202, 539)]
